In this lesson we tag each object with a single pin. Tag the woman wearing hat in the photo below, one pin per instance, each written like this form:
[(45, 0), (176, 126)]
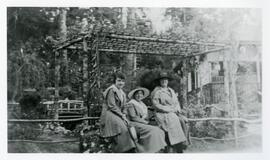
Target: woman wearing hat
[(166, 105), (151, 139), (113, 122)]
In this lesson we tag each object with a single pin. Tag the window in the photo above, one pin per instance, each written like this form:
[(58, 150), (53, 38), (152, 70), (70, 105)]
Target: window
[(193, 80)]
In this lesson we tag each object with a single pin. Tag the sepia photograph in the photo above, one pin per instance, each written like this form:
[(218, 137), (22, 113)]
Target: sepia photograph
[(163, 80)]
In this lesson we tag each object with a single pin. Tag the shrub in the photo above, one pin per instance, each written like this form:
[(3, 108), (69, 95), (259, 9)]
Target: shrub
[(90, 140), (30, 106)]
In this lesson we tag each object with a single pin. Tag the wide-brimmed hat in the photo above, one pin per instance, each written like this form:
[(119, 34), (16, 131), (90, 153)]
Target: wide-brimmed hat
[(145, 92), (163, 75)]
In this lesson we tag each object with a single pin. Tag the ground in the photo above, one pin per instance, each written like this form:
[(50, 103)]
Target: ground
[(249, 144)]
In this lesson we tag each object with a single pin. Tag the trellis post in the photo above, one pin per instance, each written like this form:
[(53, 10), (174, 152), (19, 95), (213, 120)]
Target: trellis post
[(97, 62), (56, 84), (184, 84), (92, 97), (84, 68), (85, 65)]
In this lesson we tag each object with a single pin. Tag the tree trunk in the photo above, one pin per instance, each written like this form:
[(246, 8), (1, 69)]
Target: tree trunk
[(129, 59), (85, 85), (63, 37), (16, 88)]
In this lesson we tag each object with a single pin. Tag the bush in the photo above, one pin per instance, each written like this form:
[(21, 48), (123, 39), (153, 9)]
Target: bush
[(90, 140), (30, 106), (215, 129)]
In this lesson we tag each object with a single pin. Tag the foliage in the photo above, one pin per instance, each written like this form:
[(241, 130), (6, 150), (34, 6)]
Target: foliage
[(27, 52), (90, 140), (30, 106), (24, 131), (216, 129), (38, 131), (212, 24), (67, 92)]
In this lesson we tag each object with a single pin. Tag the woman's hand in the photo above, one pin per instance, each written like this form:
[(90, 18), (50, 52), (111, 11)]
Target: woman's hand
[(174, 109), (125, 119), (185, 118), (145, 122)]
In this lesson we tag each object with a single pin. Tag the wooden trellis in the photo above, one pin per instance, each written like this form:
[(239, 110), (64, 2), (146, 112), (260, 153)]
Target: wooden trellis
[(106, 42)]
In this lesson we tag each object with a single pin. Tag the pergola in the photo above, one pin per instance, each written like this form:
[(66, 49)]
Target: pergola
[(105, 42)]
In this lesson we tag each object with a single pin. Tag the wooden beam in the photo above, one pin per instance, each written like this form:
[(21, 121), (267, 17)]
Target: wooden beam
[(225, 119), (70, 43), (182, 55), (148, 39), (221, 139), (43, 142), (164, 40), (50, 120)]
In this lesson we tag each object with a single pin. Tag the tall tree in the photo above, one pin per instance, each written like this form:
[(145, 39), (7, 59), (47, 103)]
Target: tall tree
[(130, 20), (63, 37), (27, 52)]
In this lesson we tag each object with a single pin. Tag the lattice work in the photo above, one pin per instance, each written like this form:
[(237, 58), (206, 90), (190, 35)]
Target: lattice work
[(128, 44)]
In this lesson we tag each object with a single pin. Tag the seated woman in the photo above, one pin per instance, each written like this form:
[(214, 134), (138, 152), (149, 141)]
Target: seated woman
[(151, 139), (167, 110), (113, 123)]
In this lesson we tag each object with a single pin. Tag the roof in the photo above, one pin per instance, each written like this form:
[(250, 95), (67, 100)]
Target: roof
[(131, 44)]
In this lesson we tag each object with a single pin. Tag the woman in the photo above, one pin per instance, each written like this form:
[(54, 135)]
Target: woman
[(167, 107), (113, 123), (151, 139)]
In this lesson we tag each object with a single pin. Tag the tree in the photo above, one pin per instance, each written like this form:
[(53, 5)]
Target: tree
[(63, 37), (26, 51)]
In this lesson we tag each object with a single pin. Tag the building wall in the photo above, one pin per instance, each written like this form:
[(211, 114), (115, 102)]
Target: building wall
[(248, 83)]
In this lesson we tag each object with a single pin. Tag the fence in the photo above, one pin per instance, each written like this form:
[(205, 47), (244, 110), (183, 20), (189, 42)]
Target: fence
[(247, 87), (235, 120), (65, 108), (214, 93)]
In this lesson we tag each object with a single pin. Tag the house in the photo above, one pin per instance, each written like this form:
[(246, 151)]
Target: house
[(209, 75)]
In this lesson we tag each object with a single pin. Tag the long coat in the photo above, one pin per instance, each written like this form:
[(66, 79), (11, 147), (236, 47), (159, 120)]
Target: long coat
[(151, 138), (166, 104), (111, 123)]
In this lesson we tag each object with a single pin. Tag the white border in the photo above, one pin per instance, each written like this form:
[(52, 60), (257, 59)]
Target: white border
[(140, 3), (264, 4)]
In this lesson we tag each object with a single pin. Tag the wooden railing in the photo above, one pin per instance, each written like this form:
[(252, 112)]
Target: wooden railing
[(65, 105)]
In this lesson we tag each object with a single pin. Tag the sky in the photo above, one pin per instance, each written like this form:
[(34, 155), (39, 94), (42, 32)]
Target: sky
[(156, 15)]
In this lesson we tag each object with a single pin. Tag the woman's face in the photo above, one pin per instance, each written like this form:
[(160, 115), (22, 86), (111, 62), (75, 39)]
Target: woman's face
[(138, 95), (164, 82), (119, 83)]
